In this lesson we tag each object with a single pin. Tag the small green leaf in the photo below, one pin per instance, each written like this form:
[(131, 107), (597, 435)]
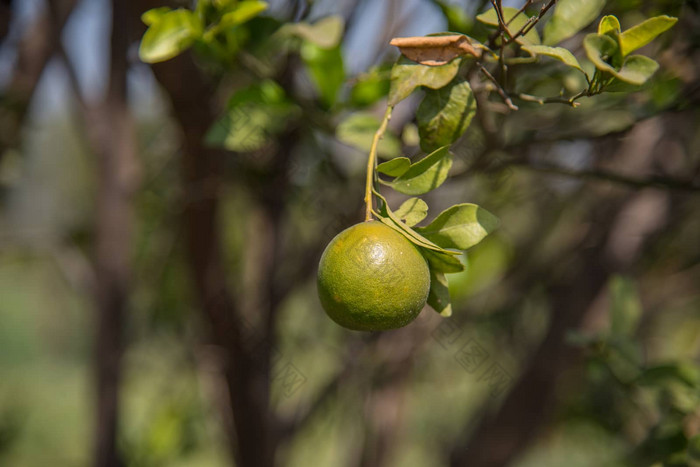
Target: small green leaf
[(490, 17), (442, 262), (609, 25), (407, 75), (255, 115), (412, 211), (394, 167), (461, 226), (617, 85), (602, 50), (406, 231), (171, 34), (326, 68), (154, 14), (325, 33), (570, 16), (444, 114), (242, 12), (389, 218), (358, 131), (645, 32), (559, 53), (636, 69), (370, 87), (659, 375), (625, 308), (439, 295), (426, 174)]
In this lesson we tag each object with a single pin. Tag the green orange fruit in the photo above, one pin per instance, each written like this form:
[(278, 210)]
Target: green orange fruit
[(371, 278)]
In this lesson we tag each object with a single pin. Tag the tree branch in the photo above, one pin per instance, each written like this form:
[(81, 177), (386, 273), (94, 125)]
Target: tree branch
[(499, 89), (115, 140), (606, 176), (571, 101), (531, 22)]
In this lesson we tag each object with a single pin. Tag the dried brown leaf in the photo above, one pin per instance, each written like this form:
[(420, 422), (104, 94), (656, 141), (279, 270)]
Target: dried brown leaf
[(435, 50)]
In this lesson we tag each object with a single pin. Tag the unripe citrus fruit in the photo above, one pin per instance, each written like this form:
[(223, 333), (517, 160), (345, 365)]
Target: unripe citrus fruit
[(372, 278)]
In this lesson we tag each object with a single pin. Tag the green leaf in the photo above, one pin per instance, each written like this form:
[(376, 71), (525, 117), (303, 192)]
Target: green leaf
[(645, 32), (660, 375), (370, 87), (446, 263), (617, 85), (559, 53), (444, 114), (395, 167), (490, 17), (570, 16), (325, 33), (325, 66), (389, 218), (358, 131), (636, 70), (255, 114), (609, 25), (625, 308), (406, 231), (461, 226), (602, 50), (154, 14), (407, 75), (242, 12), (426, 174), (412, 211), (171, 34), (439, 295)]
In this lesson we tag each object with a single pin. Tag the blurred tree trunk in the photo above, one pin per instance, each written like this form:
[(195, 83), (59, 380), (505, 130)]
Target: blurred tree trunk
[(246, 362), (34, 50), (114, 136)]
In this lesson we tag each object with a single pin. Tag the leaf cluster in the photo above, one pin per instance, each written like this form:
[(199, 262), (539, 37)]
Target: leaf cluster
[(433, 64), (445, 112), (441, 65), (214, 26)]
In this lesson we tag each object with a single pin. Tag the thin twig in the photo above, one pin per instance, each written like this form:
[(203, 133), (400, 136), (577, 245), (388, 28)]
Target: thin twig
[(501, 19), (499, 89), (503, 31), (372, 162), (571, 101), (522, 9), (531, 22)]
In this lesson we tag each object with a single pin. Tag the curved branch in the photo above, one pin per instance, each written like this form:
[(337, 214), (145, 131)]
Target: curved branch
[(606, 176)]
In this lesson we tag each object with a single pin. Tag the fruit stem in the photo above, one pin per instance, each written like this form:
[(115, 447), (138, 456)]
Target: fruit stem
[(372, 162)]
